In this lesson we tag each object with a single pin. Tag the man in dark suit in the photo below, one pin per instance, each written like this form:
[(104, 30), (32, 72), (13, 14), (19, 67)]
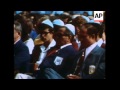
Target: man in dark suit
[(93, 65), (21, 52)]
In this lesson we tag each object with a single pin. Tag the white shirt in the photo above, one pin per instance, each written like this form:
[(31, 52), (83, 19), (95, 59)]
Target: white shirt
[(104, 42), (99, 42), (78, 42), (65, 45), (30, 44), (89, 49), (44, 51)]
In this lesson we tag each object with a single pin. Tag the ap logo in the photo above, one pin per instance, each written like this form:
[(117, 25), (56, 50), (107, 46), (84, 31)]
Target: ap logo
[(98, 16)]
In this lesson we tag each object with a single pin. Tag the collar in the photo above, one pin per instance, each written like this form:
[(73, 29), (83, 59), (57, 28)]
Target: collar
[(90, 48), (52, 44), (65, 45), (99, 42), (16, 41)]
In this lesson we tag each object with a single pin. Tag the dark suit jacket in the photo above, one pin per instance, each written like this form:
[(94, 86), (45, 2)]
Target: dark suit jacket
[(35, 54), (21, 57), (68, 54), (96, 58)]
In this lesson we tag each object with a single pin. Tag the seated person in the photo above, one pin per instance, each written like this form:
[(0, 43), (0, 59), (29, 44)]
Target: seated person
[(21, 52), (59, 63)]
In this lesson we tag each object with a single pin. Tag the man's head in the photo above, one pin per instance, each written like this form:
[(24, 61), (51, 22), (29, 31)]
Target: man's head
[(99, 30), (59, 29), (88, 34), (78, 22), (59, 26), (67, 36), (17, 31), (46, 30)]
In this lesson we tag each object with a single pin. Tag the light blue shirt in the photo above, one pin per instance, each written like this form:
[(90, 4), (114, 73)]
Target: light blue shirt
[(89, 49)]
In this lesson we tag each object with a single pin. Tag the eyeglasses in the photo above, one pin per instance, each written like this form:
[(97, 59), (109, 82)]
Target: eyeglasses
[(45, 33)]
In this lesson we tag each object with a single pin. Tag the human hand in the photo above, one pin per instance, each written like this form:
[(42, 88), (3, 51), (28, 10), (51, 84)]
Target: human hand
[(36, 66), (71, 76)]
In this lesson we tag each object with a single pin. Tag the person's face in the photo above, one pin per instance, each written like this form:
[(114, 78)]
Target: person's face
[(77, 30), (83, 36), (61, 30), (46, 35), (16, 35), (62, 39)]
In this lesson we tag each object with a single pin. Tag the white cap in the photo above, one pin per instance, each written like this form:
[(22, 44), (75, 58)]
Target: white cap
[(71, 28), (58, 22), (86, 18), (48, 22)]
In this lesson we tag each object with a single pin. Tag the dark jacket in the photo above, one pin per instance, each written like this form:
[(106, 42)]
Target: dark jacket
[(21, 57), (62, 66), (96, 58)]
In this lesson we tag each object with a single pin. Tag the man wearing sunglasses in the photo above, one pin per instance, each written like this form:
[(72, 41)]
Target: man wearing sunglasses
[(58, 65), (46, 35)]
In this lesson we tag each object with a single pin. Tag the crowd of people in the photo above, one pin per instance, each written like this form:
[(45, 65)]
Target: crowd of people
[(58, 45)]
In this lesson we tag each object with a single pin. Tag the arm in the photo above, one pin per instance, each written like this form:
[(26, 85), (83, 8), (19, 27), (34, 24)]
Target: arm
[(21, 57)]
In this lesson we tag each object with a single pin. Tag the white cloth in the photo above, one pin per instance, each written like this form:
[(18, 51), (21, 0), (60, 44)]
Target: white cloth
[(30, 44), (104, 42), (99, 42), (78, 42), (23, 76), (44, 51), (89, 49), (65, 45)]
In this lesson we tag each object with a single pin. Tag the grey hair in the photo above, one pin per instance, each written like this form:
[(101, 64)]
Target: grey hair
[(17, 26)]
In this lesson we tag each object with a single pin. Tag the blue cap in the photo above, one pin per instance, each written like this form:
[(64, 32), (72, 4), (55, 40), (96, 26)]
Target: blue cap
[(58, 22), (57, 12), (90, 13), (71, 28), (48, 22), (86, 18), (18, 12)]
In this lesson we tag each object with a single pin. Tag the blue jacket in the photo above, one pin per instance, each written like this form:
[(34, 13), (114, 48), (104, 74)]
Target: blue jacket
[(96, 58), (21, 57), (63, 67)]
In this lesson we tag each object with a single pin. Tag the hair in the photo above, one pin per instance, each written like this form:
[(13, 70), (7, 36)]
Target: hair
[(99, 29), (85, 13), (17, 27), (42, 26), (78, 21), (56, 27), (91, 30)]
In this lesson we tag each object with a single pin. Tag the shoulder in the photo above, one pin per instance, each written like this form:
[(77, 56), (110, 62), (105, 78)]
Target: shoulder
[(98, 49)]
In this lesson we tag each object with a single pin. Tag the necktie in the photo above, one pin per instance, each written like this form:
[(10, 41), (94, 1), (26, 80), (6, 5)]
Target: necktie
[(79, 63), (103, 45), (52, 51)]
